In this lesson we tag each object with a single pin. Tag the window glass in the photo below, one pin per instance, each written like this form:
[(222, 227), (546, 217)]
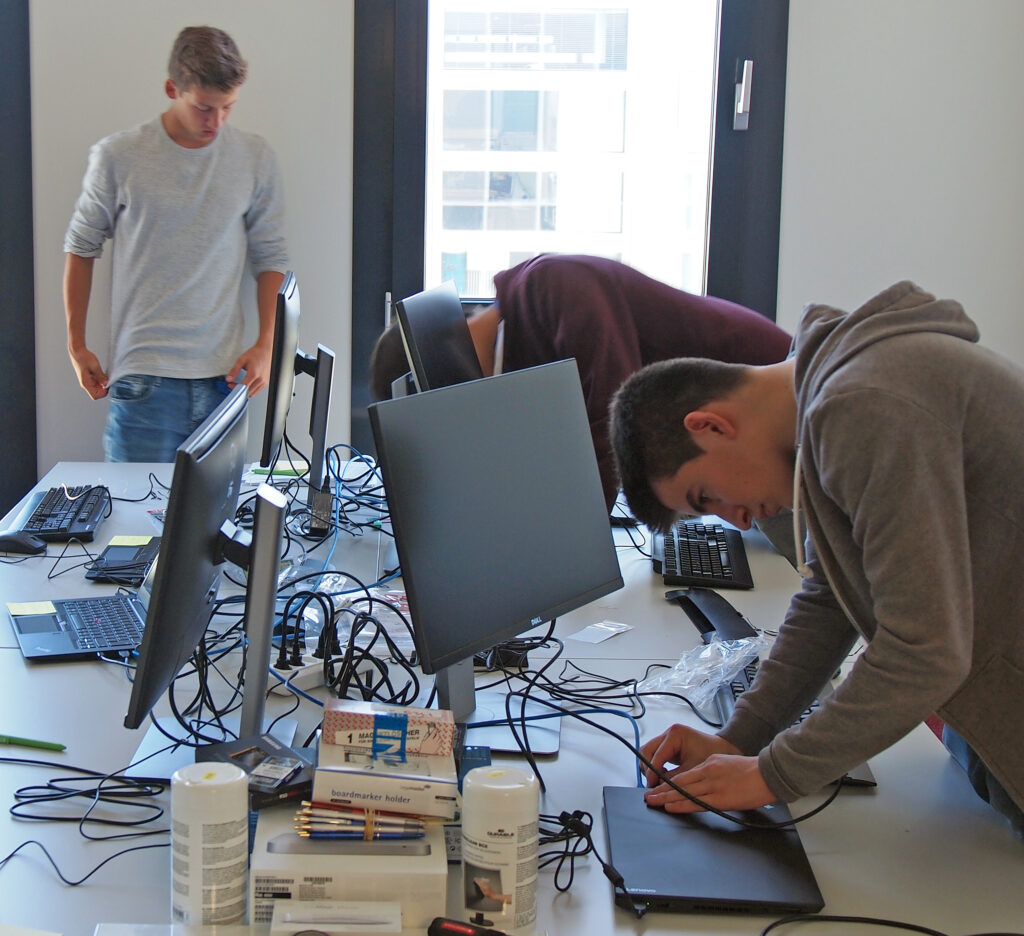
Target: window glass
[(580, 129)]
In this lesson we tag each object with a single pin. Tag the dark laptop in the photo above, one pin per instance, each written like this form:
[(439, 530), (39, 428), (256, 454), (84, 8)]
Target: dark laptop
[(79, 628), (703, 863)]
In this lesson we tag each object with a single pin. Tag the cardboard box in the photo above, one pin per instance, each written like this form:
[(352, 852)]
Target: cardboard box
[(398, 730), (284, 866), (420, 785)]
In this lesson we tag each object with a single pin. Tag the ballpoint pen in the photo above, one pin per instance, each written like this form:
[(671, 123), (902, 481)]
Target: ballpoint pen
[(340, 819), (29, 742), (359, 823), (356, 810), (411, 831), (304, 833)]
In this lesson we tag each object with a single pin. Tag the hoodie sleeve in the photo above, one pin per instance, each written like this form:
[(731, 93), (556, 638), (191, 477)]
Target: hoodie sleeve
[(896, 515)]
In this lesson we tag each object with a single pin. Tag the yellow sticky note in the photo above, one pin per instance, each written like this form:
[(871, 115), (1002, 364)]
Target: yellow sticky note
[(21, 608), (129, 540)]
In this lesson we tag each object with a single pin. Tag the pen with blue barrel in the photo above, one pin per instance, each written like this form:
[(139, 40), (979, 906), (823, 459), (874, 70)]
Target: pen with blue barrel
[(359, 829)]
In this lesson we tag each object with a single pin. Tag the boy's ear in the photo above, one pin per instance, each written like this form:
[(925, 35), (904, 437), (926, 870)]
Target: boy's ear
[(706, 422)]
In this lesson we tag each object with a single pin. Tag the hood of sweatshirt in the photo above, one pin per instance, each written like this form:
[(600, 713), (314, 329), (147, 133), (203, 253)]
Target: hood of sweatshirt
[(829, 338)]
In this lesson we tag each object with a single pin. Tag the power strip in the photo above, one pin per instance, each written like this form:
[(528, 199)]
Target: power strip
[(307, 676), (310, 675)]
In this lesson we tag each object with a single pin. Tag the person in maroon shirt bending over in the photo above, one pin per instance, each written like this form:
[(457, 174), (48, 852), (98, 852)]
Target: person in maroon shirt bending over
[(611, 318)]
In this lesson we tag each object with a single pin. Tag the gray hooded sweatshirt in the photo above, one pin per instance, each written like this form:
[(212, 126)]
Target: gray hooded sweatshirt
[(911, 465)]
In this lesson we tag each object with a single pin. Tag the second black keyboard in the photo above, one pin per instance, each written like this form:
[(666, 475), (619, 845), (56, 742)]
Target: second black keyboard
[(707, 555), (67, 513)]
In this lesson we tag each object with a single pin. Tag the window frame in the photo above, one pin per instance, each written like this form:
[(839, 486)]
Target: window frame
[(389, 164)]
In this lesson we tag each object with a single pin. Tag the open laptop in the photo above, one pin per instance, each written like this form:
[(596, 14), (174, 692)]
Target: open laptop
[(703, 863), (79, 628)]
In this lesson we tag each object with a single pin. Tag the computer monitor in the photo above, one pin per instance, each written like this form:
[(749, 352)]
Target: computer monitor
[(288, 360), (319, 497), (198, 536), (498, 514), (437, 340), (281, 383)]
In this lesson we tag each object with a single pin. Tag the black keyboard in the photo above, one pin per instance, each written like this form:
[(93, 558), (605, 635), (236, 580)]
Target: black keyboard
[(104, 623), (861, 775), (703, 554), (67, 513)]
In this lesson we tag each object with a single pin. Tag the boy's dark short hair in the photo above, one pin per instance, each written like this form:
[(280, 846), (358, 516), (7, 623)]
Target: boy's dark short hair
[(646, 428), (207, 57), (387, 362)]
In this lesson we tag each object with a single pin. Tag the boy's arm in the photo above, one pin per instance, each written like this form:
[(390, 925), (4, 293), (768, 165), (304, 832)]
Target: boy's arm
[(77, 287), (255, 361)]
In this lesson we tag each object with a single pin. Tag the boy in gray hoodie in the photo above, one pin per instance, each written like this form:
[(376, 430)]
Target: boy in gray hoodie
[(898, 437)]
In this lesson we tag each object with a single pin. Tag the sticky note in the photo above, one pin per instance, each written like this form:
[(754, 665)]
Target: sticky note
[(129, 540), (21, 608)]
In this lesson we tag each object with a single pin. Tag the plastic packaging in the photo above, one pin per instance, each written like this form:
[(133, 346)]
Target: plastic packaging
[(700, 671)]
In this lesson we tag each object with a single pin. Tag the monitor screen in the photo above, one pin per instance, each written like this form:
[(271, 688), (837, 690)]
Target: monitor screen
[(282, 368), (437, 340), (497, 509), (204, 494)]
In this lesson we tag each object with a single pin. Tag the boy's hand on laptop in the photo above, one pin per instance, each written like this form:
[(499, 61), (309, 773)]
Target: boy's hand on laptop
[(707, 767)]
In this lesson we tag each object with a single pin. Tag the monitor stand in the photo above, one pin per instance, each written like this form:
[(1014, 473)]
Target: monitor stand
[(456, 691), (156, 758)]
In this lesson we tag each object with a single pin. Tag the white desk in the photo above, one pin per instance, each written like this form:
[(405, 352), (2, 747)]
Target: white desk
[(922, 848)]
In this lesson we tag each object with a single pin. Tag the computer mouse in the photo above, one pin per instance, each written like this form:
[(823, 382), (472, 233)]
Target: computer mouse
[(18, 541)]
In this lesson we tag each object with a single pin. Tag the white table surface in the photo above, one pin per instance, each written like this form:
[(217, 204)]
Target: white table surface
[(921, 848)]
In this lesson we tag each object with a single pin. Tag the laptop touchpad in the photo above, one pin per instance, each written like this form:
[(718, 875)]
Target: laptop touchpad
[(36, 624)]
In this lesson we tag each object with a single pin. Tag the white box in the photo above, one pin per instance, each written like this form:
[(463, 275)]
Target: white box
[(284, 866), (425, 786)]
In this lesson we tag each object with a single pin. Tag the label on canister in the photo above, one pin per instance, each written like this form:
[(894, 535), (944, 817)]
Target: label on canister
[(499, 848), (209, 844)]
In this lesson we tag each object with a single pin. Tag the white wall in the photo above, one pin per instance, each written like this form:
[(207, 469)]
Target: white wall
[(902, 151), (99, 66), (902, 159)]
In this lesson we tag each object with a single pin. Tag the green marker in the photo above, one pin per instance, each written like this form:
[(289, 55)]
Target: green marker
[(28, 742)]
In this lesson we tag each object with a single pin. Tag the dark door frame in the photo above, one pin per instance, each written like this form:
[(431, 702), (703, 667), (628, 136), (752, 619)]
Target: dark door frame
[(17, 299)]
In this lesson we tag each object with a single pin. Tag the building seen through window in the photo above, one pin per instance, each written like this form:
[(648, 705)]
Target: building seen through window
[(581, 130)]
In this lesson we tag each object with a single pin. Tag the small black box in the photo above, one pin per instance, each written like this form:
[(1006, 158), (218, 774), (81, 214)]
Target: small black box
[(277, 773)]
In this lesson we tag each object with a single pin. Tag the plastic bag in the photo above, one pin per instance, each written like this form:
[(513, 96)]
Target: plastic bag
[(702, 670)]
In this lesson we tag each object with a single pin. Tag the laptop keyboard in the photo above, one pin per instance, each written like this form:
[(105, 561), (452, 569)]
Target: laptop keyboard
[(104, 623), (68, 513)]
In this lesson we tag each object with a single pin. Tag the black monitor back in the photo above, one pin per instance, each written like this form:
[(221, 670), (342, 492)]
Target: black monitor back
[(497, 507), (437, 340)]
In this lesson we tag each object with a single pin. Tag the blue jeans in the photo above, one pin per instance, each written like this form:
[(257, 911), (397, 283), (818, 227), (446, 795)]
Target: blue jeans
[(149, 417), (985, 785)]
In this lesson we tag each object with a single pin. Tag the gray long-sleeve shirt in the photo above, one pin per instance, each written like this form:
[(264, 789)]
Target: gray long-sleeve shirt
[(911, 457), (183, 223)]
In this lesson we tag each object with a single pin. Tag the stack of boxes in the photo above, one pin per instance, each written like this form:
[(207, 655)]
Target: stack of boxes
[(375, 757)]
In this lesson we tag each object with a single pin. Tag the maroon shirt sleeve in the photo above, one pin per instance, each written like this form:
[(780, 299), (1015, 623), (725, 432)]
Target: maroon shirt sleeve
[(614, 320)]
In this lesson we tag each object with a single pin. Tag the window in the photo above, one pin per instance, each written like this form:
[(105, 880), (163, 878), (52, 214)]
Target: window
[(584, 130), (524, 89)]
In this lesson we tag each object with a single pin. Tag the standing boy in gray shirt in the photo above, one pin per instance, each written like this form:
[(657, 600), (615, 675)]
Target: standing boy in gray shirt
[(189, 202)]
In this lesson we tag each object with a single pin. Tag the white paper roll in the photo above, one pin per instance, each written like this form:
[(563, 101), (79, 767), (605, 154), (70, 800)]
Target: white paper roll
[(209, 844), (499, 848)]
